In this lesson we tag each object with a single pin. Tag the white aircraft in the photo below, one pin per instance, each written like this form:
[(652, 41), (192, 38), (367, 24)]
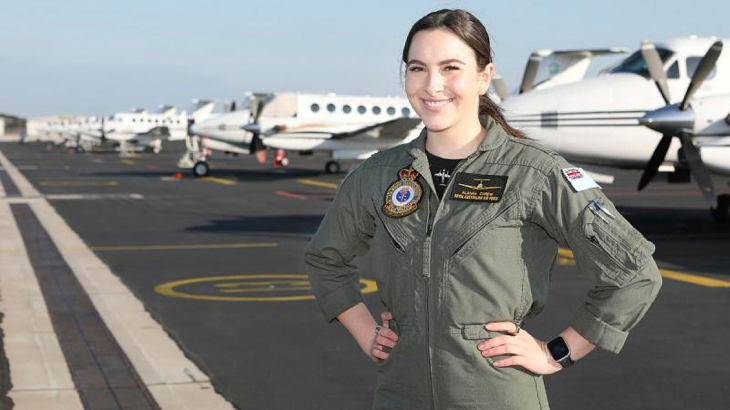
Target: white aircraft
[(628, 115), (345, 127)]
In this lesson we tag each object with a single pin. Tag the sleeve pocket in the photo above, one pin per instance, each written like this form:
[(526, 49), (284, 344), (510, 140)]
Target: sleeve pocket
[(615, 245)]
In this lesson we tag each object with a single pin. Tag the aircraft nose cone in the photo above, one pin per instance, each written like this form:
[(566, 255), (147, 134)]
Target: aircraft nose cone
[(669, 119)]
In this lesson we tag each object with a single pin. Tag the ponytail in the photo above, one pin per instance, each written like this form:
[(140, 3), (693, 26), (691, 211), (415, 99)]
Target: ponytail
[(488, 107)]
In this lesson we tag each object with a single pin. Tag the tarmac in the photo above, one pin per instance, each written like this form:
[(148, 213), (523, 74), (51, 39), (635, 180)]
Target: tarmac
[(128, 283)]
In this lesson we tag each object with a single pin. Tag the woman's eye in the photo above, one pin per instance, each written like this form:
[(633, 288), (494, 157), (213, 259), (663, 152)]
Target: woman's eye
[(414, 68), (451, 68)]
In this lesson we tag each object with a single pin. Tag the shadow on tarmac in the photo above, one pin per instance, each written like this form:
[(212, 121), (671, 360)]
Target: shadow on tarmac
[(300, 224)]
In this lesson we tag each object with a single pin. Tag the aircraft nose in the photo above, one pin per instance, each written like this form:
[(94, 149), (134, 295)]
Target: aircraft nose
[(669, 119)]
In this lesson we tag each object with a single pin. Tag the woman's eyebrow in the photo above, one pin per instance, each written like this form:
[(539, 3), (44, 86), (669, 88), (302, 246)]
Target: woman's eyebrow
[(449, 61)]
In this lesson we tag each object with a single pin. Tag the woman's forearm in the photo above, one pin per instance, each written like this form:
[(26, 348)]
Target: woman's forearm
[(361, 325), (578, 345)]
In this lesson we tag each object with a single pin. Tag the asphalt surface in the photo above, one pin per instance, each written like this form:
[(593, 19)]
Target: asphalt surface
[(238, 239)]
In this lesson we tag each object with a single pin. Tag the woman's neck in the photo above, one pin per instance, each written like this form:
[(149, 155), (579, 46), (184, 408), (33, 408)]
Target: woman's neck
[(457, 141)]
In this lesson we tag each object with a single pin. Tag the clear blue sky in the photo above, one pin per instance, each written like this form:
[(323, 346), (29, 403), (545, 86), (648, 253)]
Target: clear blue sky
[(99, 57)]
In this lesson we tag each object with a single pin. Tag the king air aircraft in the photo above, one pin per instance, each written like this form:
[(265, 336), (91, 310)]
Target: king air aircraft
[(343, 127), (665, 108)]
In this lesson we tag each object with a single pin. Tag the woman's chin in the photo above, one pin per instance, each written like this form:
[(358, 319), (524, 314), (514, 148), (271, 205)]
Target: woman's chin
[(436, 124)]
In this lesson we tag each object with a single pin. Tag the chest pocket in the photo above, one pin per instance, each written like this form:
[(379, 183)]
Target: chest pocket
[(507, 207), (398, 235)]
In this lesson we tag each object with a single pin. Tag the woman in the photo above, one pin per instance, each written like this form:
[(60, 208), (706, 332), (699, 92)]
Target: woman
[(466, 222)]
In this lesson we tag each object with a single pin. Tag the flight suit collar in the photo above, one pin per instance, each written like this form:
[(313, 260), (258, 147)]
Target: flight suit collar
[(496, 136)]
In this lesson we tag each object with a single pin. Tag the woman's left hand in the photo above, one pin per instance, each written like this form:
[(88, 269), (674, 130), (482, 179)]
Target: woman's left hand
[(526, 351)]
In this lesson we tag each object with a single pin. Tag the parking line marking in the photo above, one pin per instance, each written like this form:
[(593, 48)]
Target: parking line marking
[(291, 195), (78, 183), (219, 180), (671, 274), (318, 183), (127, 161), (179, 247)]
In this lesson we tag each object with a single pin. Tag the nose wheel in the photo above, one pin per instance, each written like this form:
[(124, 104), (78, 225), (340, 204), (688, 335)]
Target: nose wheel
[(722, 212), (201, 169), (332, 167)]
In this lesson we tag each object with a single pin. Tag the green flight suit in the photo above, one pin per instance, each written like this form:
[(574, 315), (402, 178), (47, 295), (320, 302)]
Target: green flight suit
[(453, 265)]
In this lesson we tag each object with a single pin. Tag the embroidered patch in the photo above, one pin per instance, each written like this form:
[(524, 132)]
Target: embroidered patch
[(403, 196), (579, 179), (478, 188)]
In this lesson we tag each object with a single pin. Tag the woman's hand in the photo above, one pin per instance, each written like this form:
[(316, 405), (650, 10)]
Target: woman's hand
[(526, 351), (384, 337)]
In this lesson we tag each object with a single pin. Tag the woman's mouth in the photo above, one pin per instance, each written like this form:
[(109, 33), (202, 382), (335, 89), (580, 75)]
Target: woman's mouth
[(437, 103)]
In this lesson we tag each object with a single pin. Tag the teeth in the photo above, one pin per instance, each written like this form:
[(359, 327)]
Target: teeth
[(438, 103)]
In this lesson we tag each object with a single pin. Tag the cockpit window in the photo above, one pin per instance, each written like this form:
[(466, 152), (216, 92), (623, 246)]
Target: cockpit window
[(693, 62), (673, 71), (635, 63)]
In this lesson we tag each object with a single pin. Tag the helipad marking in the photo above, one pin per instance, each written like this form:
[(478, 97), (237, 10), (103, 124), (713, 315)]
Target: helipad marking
[(243, 283), (222, 181), (567, 256), (78, 183), (179, 247), (318, 183)]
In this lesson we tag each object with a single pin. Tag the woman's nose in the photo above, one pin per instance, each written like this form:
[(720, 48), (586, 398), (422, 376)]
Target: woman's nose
[(434, 84)]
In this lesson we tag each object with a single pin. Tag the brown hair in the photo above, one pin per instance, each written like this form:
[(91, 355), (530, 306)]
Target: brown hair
[(472, 32)]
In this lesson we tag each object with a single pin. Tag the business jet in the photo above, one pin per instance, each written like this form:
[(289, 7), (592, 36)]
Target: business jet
[(344, 127), (664, 108)]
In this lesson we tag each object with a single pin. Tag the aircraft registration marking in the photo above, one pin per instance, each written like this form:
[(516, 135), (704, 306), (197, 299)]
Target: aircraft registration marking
[(565, 258), (253, 288)]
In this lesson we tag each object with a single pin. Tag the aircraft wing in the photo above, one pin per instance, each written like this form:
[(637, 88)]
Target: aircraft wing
[(394, 129)]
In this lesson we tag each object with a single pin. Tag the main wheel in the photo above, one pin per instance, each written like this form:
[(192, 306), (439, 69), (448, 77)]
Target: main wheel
[(80, 149), (332, 167), (201, 169), (722, 212)]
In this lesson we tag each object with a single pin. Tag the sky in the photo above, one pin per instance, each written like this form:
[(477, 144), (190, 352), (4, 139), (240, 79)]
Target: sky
[(100, 57)]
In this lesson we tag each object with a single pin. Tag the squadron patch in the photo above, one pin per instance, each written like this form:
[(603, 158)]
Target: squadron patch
[(403, 195), (579, 179), (478, 188)]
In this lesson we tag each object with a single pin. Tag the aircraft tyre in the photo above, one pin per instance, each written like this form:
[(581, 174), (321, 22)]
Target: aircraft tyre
[(722, 212), (80, 149), (201, 169), (332, 167)]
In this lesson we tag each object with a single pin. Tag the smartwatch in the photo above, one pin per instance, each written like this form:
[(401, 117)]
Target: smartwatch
[(560, 352)]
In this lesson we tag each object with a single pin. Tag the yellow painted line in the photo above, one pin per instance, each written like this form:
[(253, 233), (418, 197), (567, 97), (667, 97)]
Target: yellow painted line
[(219, 180), (172, 289), (179, 247), (318, 183), (78, 183), (127, 161), (671, 274)]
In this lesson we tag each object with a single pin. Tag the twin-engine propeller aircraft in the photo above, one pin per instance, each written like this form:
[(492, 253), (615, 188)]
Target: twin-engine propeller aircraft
[(344, 127), (629, 115)]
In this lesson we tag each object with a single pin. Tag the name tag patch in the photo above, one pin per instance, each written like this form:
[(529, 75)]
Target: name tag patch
[(478, 188), (579, 179)]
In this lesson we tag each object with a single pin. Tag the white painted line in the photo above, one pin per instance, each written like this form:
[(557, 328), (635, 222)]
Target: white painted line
[(71, 197), (25, 188), (174, 380), (38, 369)]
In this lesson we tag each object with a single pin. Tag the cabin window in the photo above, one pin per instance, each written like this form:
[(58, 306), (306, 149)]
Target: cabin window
[(315, 107), (406, 111), (693, 62), (361, 109), (673, 71), (346, 109), (391, 111), (331, 107), (376, 110)]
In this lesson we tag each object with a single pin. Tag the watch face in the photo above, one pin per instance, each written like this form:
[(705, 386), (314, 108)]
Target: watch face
[(558, 349)]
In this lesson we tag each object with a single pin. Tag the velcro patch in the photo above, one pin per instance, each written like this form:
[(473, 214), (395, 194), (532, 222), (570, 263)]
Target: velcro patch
[(579, 179), (478, 188)]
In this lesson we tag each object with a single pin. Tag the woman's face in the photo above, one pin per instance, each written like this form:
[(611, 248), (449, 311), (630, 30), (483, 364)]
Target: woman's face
[(443, 82)]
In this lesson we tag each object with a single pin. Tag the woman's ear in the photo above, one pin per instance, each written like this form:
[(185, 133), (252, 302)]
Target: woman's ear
[(485, 78)]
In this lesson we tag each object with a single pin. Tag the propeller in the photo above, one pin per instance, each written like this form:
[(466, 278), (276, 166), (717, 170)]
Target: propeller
[(256, 103), (676, 120)]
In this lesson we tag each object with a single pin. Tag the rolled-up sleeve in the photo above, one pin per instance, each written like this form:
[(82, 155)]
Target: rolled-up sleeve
[(344, 234), (606, 248)]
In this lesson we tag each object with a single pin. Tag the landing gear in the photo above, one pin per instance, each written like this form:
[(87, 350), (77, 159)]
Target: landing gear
[(79, 149), (201, 169), (332, 167), (722, 212)]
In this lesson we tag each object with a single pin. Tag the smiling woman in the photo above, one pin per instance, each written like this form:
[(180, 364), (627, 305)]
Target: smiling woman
[(465, 223)]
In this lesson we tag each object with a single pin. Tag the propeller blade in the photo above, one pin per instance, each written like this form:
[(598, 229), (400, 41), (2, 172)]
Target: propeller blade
[(259, 110), (699, 170), (256, 143), (652, 167), (500, 87), (530, 73), (656, 70), (703, 69)]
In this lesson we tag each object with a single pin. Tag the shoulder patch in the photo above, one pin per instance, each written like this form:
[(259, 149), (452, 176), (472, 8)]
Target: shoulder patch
[(579, 179)]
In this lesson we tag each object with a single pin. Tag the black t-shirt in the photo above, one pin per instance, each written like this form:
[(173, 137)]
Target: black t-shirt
[(441, 170)]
